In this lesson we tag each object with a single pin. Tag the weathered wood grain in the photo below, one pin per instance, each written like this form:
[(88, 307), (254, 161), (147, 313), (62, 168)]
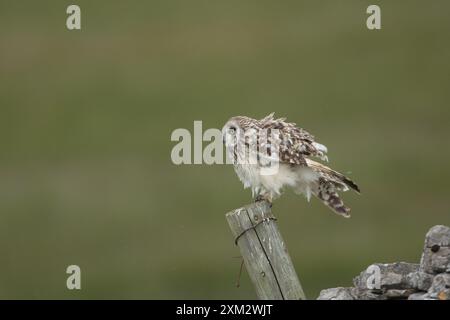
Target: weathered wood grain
[(265, 254)]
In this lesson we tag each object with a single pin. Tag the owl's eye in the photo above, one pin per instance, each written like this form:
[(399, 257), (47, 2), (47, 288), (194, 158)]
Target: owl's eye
[(232, 130)]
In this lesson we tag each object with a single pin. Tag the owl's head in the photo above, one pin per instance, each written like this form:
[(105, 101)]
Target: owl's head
[(235, 129)]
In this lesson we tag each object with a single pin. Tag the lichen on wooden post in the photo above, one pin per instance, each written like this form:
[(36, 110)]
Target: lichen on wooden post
[(264, 252)]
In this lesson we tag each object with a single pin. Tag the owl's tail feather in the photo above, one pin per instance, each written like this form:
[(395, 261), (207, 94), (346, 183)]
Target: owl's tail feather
[(327, 193), (328, 185), (341, 182)]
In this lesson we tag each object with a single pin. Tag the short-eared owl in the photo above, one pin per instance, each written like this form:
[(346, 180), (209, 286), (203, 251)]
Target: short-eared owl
[(255, 146)]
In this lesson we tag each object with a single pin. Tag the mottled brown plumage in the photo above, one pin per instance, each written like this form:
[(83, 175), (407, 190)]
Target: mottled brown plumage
[(258, 144)]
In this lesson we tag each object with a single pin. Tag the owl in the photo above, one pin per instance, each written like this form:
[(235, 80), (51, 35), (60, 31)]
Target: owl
[(271, 154)]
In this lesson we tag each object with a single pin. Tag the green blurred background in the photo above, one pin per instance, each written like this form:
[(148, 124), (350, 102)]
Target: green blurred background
[(86, 117)]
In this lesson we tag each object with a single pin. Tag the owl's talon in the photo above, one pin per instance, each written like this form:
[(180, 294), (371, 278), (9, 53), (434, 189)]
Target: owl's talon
[(259, 198)]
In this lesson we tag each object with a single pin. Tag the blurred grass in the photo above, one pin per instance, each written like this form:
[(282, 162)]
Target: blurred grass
[(86, 118)]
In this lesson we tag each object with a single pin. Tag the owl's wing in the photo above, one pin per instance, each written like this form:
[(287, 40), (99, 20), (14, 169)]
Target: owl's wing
[(293, 143)]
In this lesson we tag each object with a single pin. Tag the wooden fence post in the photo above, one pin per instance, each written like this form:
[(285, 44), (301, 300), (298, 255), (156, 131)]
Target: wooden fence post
[(264, 252)]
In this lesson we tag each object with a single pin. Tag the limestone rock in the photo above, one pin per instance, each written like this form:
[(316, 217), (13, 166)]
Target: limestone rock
[(440, 288), (369, 294), (436, 251), (399, 294), (419, 280), (392, 275), (339, 293), (429, 280), (419, 296)]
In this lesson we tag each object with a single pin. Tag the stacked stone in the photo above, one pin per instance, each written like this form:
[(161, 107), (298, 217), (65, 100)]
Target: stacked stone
[(429, 280)]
